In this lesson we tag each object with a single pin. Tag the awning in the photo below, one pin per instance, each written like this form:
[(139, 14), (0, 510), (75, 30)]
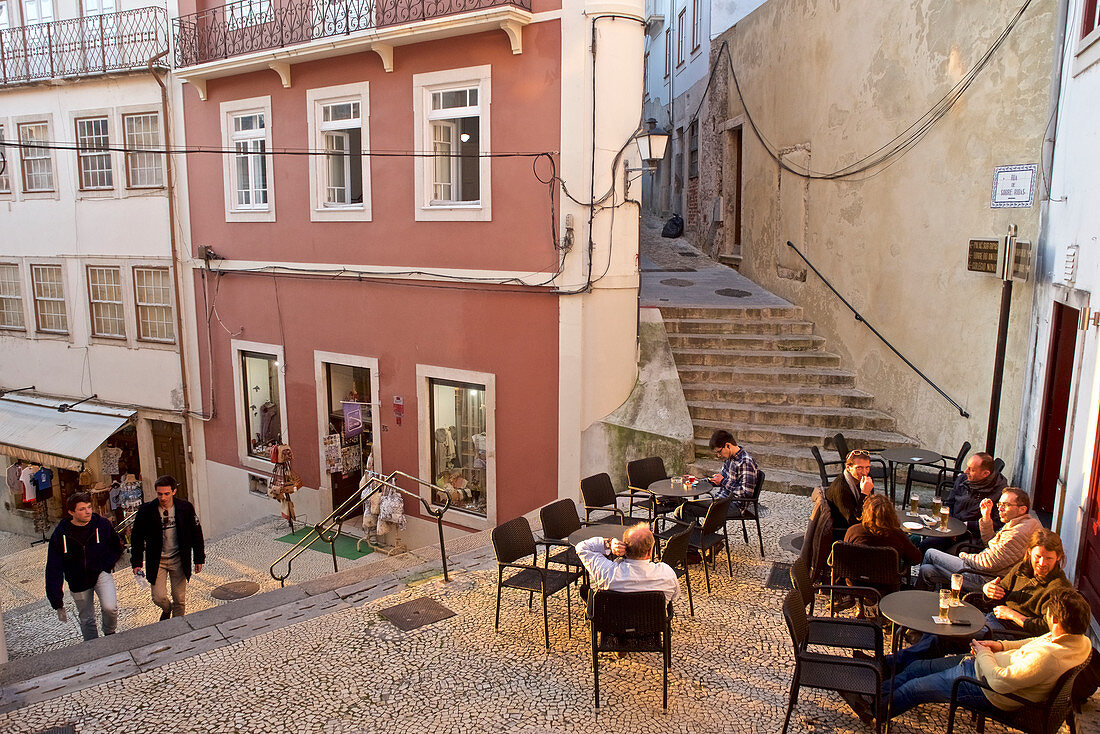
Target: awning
[(37, 432)]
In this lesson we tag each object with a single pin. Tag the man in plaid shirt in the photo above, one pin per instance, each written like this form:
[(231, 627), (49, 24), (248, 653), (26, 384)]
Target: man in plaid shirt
[(737, 480)]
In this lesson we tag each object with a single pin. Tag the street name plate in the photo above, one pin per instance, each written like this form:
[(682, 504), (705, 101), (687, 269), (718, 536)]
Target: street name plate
[(1013, 186), (982, 256)]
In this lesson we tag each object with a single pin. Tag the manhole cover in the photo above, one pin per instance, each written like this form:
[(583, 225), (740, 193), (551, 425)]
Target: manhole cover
[(678, 282), (66, 729), (416, 613), (732, 293), (235, 590), (792, 542), (779, 577)]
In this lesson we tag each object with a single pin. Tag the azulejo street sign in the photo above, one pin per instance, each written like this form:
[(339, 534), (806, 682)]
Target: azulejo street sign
[(1014, 186)]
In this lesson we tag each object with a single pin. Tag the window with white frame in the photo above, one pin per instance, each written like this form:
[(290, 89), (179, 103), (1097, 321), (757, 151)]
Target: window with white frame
[(681, 22), (339, 179), (5, 161), (668, 51), (144, 166), (105, 299), (98, 7), (4, 21), (37, 11), (260, 392), (453, 112), (696, 25), (37, 162), (153, 296), (11, 297), (1090, 19), (247, 169), (49, 299), (92, 143)]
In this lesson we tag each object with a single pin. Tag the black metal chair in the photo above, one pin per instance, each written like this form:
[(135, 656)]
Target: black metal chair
[(933, 474), (1046, 717), (640, 474), (948, 475), (824, 670), (707, 538), (598, 493), (748, 509), (822, 632), (675, 555), (823, 467), (637, 621), (881, 471), (512, 541), (871, 571), (559, 519)]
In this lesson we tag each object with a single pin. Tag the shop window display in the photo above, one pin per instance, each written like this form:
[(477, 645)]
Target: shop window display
[(458, 425), (350, 436), (262, 413)]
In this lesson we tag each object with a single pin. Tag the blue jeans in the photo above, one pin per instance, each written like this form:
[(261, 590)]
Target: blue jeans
[(930, 681), (934, 646), (937, 567), (108, 603)]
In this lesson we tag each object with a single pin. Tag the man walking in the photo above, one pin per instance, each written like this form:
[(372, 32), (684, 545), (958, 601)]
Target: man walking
[(83, 550), (167, 535)]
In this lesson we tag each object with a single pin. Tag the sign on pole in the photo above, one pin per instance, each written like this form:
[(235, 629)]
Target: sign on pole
[(982, 257)]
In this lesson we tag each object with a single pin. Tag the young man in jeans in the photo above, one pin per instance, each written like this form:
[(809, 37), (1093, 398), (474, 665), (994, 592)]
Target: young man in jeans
[(83, 551), (167, 535)]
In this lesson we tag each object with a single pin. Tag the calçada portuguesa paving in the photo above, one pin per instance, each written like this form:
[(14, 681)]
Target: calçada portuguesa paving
[(352, 671)]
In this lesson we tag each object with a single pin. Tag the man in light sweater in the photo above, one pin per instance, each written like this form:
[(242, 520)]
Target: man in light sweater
[(636, 571), (1004, 548)]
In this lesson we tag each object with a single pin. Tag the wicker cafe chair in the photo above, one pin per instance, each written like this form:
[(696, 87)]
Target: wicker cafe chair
[(823, 467), (831, 631), (873, 571), (949, 464), (598, 493), (559, 519), (675, 555), (707, 538), (748, 508), (640, 474), (878, 464), (637, 621), (825, 670), (1045, 717), (512, 541)]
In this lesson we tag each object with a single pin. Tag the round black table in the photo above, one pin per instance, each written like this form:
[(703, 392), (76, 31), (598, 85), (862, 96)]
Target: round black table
[(913, 609), (596, 531), (909, 455), (663, 488), (955, 527)]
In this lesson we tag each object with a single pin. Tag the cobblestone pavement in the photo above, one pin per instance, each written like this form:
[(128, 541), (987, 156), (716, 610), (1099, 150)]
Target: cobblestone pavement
[(352, 671), (31, 626)]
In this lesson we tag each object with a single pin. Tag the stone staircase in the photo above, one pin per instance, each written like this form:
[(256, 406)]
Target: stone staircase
[(763, 374)]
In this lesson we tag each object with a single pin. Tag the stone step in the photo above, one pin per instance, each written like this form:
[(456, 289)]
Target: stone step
[(789, 395), (772, 456), (753, 358), (764, 342), (731, 312), (836, 419), (738, 326), (765, 375), (754, 434), (775, 480)]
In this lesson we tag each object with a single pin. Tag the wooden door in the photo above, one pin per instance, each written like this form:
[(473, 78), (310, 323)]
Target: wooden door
[(1056, 394), (1088, 563), (168, 454)]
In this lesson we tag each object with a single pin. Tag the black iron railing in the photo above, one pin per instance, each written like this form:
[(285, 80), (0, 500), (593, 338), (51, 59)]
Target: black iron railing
[(859, 317), (246, 26), (94, 44)]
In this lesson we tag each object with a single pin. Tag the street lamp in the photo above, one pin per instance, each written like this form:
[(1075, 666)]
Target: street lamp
[(651, 148)]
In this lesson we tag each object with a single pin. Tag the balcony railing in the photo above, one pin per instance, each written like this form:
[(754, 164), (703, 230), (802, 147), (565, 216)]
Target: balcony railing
[(95, 44), (246, 26)]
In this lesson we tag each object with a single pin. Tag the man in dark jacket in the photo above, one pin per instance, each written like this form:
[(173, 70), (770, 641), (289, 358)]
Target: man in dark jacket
[(979, 480), (847, 491), (83, 551), (167, 535)]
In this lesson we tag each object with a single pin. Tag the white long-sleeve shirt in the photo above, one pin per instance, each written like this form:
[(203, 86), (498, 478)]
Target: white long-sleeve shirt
[(626, 574)]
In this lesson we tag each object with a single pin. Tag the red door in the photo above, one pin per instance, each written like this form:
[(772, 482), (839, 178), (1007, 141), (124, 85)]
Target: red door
[(1088, 564), (1056, 394)]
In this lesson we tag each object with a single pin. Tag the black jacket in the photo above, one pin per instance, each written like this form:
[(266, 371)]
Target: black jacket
[(146, 538), (80, 563), (846, 506)]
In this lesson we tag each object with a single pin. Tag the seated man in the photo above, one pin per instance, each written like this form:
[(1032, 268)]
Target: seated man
[(1020, 596), (1004, 548), (636, 571), (978, 482), (737, 479), (846, 493), (1026, 668)]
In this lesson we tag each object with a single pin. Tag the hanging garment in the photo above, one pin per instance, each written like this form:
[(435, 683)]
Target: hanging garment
[(15, 485), (110, 458), (41, 517), (115, 496), (391, 511), (43, 483), (334, 462), (28, 484)]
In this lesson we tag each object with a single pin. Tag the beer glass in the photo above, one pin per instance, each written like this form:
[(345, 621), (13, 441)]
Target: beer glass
[(945, 602), (956, 586), (945, 513), (914, 504), (677, 484)]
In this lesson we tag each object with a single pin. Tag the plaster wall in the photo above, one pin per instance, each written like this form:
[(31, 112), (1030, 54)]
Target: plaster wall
[(893, 243)]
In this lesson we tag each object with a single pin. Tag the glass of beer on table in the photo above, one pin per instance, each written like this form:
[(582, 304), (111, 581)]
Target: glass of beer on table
[(945, 513), (956, 586), (936, 504), (914, 504), (945, 602)]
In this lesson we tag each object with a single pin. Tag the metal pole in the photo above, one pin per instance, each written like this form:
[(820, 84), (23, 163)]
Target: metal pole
[(1002, 341)]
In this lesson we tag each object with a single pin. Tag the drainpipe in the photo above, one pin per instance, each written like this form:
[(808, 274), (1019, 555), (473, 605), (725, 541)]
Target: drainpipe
[(176, 260)]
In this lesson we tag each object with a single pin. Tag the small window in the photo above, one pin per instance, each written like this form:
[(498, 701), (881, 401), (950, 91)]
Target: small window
[(696, 25), (455, 122), (37, 163), (458, 432), (680, 31), (37, 11), (4, 21), (92, 142), (105, 297), (144, 170), (342, 135), (693, 149), (5, 156), (1090, 21), (11, 297), (98, 7), (49, 299), (153, 295), (249, 160), (262, 414)]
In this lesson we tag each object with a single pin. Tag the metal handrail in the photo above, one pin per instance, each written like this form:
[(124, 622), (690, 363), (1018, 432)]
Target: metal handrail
[(323, 530), (859, 317)]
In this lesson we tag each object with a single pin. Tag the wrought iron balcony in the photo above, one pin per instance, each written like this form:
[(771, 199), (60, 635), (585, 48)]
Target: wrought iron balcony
[(246, 26), (94, 44)]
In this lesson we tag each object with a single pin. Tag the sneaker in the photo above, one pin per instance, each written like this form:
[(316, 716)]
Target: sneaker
[(843, 602)]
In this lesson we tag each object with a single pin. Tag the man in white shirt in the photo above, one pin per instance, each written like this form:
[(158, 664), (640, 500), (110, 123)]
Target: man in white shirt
[(636, 571)]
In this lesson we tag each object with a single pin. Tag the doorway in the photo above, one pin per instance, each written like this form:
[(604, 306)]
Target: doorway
[(349, 442), (732, 215), (1056, 396), (168, 454)]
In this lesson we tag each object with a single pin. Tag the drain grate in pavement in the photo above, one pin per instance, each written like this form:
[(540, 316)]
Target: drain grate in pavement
[(678, 282), (732, 293), (416, 613), (688, 254), (66, 729), (235, 590), (779, 577)]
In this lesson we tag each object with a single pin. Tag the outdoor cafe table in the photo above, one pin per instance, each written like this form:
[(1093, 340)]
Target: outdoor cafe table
[(913, 610), (664, 488), (955, 527), (909, 455), (596, 531)]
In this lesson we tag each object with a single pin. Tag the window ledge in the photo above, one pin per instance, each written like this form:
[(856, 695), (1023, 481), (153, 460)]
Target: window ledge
[(1088, 52), (454, 213), (250, 215), (340, 214)]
